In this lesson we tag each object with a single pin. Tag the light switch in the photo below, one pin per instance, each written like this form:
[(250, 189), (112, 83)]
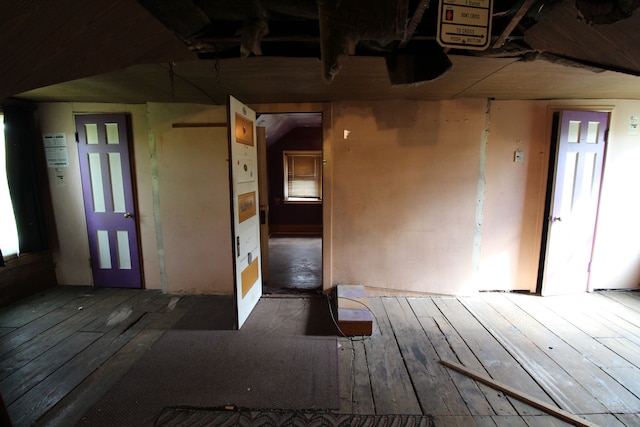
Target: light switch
[(518, 156)]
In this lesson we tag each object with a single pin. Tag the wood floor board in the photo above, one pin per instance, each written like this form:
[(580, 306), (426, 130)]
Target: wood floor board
[(572, 309), (630, 420), (562, 372), (624, 348), (625, 329), (508, 421), (345, 372), (70, 409), (585, 344), (6, 330), (362, 393), (544, 421), (586, 369), (33, 329), (75, 321), (390, 382), (43, 303), (479, 398), (86, 296), (628, 299), (629, 378), (608, 420), (28, 376), (454, 421), (28, 309), (497, 362), (616, 315), (390, 372), (47, 393), (436, 392), (131, 301), (485, 421)]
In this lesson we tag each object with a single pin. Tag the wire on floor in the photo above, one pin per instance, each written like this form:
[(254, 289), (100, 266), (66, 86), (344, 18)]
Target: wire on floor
[(333, 318)]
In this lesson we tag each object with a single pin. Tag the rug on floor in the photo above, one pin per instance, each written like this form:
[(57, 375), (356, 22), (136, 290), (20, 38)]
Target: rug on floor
[(210, 313), (179, 417), (219, 368)]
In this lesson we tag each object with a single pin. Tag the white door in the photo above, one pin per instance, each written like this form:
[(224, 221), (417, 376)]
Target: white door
[(243, 154), (574, 202)]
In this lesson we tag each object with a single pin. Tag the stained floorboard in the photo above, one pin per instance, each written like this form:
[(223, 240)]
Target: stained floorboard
[(64, 348)]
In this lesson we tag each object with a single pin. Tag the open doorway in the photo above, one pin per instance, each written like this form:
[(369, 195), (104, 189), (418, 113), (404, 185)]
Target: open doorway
[(294, 166)]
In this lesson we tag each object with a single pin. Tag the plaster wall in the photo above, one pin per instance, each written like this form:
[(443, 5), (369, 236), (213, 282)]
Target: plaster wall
[(193, 197), (616, 254), (70, 248), (515, 195), (405, 186), (404, 181)]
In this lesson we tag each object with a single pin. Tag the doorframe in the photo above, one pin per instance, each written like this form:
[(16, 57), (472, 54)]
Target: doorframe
[(551, 173), (327, 175)]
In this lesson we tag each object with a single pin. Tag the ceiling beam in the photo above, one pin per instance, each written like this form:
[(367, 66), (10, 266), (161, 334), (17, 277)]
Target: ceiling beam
[(524, 8), (415, 21)]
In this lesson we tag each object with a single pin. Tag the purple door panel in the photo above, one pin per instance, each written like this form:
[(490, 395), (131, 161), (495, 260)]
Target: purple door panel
[(105, 168)]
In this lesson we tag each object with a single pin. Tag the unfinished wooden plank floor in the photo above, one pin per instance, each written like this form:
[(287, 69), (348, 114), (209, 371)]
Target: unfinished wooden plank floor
[(62, 349)]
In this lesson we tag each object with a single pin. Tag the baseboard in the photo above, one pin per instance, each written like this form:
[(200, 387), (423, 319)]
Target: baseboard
[(295, 229)]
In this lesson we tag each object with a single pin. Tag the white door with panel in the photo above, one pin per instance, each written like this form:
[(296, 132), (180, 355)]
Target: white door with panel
[(243, 155), (574, 203)]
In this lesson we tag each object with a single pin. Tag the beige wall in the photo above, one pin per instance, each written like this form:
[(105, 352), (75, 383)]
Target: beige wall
[(420, 196), (194, 203), (70, 248), (515, 195), (189, 205), (405, 182), (616, 255)]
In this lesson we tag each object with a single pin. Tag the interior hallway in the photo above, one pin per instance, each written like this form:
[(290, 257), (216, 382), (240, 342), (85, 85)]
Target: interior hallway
[(63, 349)]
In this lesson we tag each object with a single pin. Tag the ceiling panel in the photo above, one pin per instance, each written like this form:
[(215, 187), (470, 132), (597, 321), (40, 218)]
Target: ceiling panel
[(546, 80)]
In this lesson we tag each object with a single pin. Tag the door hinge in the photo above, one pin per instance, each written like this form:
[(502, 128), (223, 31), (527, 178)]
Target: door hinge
[(606, 135), (77, 139)]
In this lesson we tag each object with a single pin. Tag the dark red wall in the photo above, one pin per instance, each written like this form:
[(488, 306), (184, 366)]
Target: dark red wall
[(291, 214)]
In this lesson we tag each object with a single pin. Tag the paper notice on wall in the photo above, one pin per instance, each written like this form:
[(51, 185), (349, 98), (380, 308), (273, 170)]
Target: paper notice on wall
[(55, 150)]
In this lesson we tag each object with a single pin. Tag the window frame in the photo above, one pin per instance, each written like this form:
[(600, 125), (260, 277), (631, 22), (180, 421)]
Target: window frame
[(285, 156)]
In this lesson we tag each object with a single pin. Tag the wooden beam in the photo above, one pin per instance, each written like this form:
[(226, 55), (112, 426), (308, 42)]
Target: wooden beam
[(536, 403), (415, 20), (524, 8)]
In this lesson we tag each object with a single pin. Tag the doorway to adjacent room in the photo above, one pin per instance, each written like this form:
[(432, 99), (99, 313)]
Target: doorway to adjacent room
[(294, 203)]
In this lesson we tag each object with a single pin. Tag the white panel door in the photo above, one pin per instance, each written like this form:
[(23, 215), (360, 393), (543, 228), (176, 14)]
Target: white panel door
[(243, 155), (574, 207)]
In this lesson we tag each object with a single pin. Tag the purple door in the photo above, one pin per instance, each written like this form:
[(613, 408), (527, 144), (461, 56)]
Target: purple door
[(103, 149)]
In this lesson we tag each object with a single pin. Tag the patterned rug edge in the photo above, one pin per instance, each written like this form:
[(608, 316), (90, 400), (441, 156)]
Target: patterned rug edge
[(176, 416)]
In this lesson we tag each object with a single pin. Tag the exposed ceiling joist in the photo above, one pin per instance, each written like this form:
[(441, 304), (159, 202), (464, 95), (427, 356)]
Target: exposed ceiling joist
[(522, 11)]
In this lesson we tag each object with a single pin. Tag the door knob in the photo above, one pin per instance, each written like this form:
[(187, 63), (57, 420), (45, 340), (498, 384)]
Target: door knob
[(128, 215), (556, 218)]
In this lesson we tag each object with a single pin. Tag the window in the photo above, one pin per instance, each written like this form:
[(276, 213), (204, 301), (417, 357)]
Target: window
[(303, 176), (8, 230)]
